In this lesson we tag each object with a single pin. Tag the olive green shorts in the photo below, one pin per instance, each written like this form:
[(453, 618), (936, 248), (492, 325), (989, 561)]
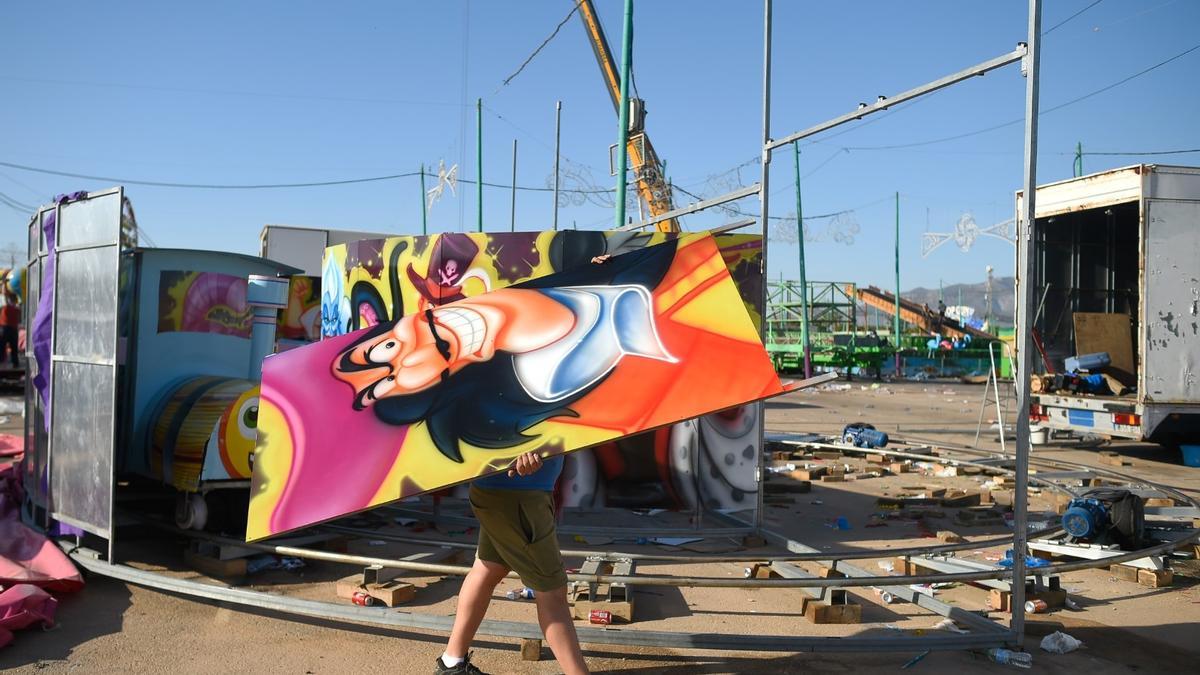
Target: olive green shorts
[(516, 529)]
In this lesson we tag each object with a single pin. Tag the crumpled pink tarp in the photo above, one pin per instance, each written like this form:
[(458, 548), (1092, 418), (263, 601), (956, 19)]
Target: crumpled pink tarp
[(30, 565), (22, 606)]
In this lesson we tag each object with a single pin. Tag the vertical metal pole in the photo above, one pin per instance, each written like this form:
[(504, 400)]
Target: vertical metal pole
[(896, 317), (479, 163), (623, 132), (1025, 238), (424, 209), (804, 337), (557, 138), (764, 198), (512, 216)]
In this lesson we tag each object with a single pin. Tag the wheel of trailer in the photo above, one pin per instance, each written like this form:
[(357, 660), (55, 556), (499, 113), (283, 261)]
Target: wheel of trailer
[(191, 511)]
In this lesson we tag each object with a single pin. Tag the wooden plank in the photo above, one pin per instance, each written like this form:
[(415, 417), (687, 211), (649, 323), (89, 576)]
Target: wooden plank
[(835, 613), (1124, 572), (531, 649), (1155, 578), (1112, 333)]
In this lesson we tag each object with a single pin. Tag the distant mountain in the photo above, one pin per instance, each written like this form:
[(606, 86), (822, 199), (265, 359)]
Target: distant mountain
[(973, 295)]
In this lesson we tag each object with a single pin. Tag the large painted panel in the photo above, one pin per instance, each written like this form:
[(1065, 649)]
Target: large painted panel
[(372, 280), (375, 280), (448, 393)]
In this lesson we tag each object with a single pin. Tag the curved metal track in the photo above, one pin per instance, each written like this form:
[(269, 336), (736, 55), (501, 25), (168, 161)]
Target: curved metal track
[(985, 637)]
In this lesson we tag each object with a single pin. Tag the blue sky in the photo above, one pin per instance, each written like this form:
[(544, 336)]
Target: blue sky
[(274, 92)]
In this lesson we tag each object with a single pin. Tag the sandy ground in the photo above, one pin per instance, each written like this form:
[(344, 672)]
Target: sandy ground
[(112, 627)]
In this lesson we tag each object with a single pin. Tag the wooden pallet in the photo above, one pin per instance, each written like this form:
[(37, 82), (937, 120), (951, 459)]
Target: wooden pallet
[(617, 599)]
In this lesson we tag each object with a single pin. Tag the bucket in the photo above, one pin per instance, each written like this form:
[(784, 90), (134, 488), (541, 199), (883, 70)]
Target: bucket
[(1191, 455), (1039, 435)]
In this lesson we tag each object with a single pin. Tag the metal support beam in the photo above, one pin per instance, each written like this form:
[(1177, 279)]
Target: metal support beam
[(904, 592), (885, 102), (1026, 223), (764, 198), (694, 207)]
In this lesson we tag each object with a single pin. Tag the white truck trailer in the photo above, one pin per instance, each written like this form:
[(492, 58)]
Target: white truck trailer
[(1122, 246)]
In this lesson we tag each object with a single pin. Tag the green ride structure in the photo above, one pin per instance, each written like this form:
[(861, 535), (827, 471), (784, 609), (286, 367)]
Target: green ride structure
[(850, 331)]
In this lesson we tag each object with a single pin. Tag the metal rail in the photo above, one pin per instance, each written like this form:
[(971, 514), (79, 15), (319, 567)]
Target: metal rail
[(799, 551), (694, 207), (512, 629), (883, 103)]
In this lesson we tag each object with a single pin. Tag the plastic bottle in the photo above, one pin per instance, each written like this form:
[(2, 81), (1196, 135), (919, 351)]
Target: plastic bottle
[(520, 594), (1007, 656)]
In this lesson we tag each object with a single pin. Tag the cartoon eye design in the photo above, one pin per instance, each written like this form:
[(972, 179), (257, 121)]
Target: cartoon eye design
[(247, 418), (382, 387), (383, 352)]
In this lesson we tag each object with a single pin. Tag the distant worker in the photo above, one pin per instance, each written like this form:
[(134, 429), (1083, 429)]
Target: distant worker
[(10, 324)]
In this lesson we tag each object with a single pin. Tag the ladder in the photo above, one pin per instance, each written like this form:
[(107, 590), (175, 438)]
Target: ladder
[(992, 395)]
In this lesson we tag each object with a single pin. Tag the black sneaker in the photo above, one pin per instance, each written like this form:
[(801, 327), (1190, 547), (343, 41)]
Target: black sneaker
[(464, 668)]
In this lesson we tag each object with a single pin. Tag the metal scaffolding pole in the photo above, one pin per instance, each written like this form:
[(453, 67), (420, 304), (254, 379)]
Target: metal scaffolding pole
[(557, 141), (896, 316), (805, 339), (512, 214), (623, 116), (764, 198), (1025, 309), (479, 164), (884, 102), (424, 208)]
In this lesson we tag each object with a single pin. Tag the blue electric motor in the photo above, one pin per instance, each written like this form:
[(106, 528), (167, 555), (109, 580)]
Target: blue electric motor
[(1085, 518), (862, 435)]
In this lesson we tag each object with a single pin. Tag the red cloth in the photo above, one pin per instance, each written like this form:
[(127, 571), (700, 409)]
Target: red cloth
[(11, 445)]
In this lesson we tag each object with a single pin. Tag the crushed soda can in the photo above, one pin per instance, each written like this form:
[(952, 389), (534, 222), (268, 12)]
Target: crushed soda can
[(364, 599), (1036, 606), (600, 616)]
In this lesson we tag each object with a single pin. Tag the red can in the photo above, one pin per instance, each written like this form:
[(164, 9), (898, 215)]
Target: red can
[(600, 616), (364, 599), (1036, 606)]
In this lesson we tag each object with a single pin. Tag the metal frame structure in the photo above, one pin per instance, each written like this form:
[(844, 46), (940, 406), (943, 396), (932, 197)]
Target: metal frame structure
[(91, 456), (832, 307), (1028, 54)]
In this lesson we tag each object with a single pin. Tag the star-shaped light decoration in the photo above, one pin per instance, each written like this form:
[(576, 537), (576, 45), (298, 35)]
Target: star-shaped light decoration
[(446, 178)]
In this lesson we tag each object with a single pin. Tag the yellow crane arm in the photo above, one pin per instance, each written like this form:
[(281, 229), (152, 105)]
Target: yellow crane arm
[(647, 169)]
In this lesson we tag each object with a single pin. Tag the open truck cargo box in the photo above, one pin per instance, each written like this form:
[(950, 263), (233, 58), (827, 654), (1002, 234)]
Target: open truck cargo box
[(1124, 242)]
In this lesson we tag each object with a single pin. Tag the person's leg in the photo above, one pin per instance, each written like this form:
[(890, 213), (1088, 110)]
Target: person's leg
[(554, 616), (473, 600)]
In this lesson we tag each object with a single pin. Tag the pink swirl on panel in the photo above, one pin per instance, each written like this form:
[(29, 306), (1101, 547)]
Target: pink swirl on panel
[(340, 459)]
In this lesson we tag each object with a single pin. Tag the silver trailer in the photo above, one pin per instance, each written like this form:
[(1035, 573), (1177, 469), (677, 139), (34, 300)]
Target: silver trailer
[(304, 247), (1124, 242)]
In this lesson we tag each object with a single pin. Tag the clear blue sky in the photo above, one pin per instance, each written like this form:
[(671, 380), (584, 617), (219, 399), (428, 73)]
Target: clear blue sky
[(277, 92)]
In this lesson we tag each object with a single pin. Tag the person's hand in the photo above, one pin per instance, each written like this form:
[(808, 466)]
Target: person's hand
[(525, 465), (601, 259)]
